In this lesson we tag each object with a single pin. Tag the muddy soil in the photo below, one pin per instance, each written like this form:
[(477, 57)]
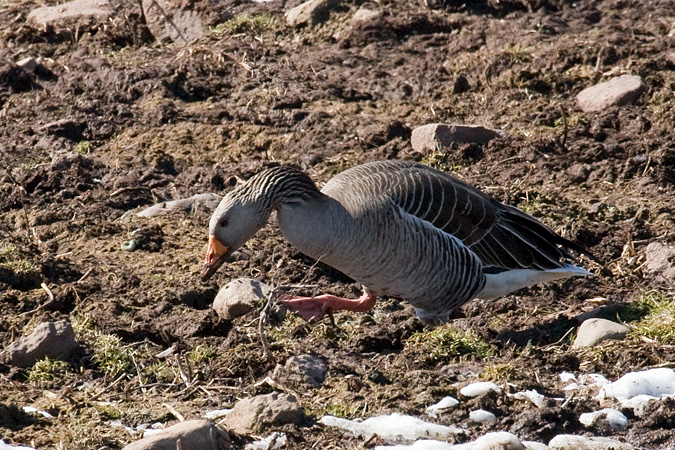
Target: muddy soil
[(114, 122)]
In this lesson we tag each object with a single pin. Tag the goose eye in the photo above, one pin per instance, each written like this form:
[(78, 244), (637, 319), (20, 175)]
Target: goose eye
[(223, 222)]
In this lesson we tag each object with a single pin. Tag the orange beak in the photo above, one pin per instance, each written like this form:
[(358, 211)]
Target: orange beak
[(216, 253)]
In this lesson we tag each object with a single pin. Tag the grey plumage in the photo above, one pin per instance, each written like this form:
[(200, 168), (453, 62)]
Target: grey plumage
[(401, 229)]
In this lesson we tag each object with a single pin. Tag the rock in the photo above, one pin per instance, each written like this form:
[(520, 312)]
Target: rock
[(208, 200), (253, 415), (189, 435), (76, 12), (239, 297), (571, 442), (593, 331), (441, 407), (28, 63), (482, 416), (433, 136), (618, 91), (364, 15), (479, 388), (49, 339), (312, 12), (303, 369), (609, 417), (171, 20), (660, 261)]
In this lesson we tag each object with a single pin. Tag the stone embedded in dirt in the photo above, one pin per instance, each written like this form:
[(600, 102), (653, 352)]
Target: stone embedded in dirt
[(442, 406), (479, 388), (618, 91), (431, 137), (54, 340), (239, 297), (394, 428), (594, 331), (571, 442), (189, 435), (660, 261), (365, 15), (208, 200), (609, 417), (171, 20), (483, 416), (71, 13), (302, 369), (253, 415), (312, 12)]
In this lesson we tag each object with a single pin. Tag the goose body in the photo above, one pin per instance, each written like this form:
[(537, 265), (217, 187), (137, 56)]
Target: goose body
[(400, 229)]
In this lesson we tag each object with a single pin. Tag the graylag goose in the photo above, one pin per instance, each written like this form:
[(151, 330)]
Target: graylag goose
[(400, 229)]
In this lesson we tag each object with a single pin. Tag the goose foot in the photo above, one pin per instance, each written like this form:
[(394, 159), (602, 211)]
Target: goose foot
[(314, 308)]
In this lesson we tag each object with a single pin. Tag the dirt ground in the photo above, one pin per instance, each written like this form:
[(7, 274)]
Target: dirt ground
[(113, 122)]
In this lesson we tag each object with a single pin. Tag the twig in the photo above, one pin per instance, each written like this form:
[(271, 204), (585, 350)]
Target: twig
[(106, 389), (128, 189), (175, 412), (44, 305), (86, 274), (563, 139)]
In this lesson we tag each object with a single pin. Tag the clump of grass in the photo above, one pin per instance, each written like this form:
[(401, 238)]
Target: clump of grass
[(84, 147), (160, 371), (110, 356), (110, 411), (47, 370), (498, 372), (655, 312), (444, 342), (202, 353), (243, 23)]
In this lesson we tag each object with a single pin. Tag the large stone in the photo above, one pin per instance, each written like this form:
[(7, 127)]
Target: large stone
[(618, 91), (307, 370), (593, 331), (75, 12), (660, 261), (55, 340), (172, 20), (434, 136), (253, 415), (190, 435), (239, 297), (312, 12)]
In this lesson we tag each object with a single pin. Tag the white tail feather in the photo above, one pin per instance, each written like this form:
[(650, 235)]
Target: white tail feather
[(499, 284)]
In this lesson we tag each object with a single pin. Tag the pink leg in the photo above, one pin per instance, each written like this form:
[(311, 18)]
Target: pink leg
[(314, 308)]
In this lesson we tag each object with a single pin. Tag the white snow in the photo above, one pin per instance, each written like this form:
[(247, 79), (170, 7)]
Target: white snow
[(615, 419), (271, 442), (636, 389), (482, 416), (569, 441), (442, 406), (535, 397), (479, 388), (489, 441), (217, 413), (566, 377), (394, 428), (4, 446), (32, 409)]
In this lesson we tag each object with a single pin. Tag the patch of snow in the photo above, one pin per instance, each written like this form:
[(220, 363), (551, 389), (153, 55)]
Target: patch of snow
[(531, 445), (479, 388), (394, 428), (423, 444), (217, 413), (636, 389), (490, 441), (615, 419), (444, 405), (4, 446), (535, 397), (271, 442), (482, 416), (566, 377), (32, 409)]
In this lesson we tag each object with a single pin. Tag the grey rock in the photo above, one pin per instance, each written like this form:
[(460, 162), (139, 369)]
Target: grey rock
[(364, 16), (593, 331), (312, 12), (189, 435), (253, 415), (70, 13), (571, 442), (618, 91), (28, 63), (239, 297), (169, 20), (208, 200), (49, 339), (309, 370), (433, 136), (660, 261)]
